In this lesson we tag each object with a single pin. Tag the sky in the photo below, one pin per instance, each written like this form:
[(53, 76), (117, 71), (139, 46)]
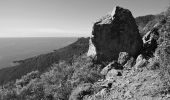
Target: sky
[(64, 18)]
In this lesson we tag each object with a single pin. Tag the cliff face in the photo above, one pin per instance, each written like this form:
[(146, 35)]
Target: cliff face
[(115, 34)]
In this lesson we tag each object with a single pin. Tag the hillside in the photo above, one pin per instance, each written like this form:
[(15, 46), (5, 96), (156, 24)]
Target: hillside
[(14, 49), (145, 23), (120, 65), (142, 21), (44, 61), (144, 78)]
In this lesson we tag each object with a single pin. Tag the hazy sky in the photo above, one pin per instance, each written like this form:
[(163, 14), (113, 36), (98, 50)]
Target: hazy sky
[(34, 18)]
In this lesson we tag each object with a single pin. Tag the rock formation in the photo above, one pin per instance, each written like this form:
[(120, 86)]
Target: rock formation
[(150, 40), (115, 34), (123, 58), (143, 78), (92, 50)]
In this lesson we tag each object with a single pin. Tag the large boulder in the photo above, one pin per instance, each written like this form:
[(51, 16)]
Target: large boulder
[(116, 33)]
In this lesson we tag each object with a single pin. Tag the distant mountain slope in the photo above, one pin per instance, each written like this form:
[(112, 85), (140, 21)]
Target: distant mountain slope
[(141, 21), (14, 49), (44, 61), (146, 23)]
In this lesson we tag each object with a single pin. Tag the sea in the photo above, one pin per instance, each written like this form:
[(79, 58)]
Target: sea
[(14, 49)]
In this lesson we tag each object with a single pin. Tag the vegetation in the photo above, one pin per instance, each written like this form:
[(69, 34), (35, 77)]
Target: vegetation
[(68, 74), (141, 21), (42, 62), (55, 84)]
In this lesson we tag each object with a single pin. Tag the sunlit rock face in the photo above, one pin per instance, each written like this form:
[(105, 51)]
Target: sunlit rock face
[(92, 49), (115, 33)]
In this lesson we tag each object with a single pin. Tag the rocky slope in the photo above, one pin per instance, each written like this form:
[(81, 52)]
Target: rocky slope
[(114, 34), (146, 77), (121, 75)]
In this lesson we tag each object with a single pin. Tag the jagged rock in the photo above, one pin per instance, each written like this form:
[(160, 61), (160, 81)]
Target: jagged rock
[(142, 82), (129, 63), (107, 68), (92, 50), (139, 58), (140, 61), (112, 65), (111, 74), (123, 57), (150, 42), (114, 34)]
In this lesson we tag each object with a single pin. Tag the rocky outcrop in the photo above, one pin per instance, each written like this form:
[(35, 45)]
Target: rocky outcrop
[(115, 34), (129, 63), (92, 50), (145, 77), (111, 74), (150, 42), (112, 65), (140, 62), (123, 58), (150, 39)]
